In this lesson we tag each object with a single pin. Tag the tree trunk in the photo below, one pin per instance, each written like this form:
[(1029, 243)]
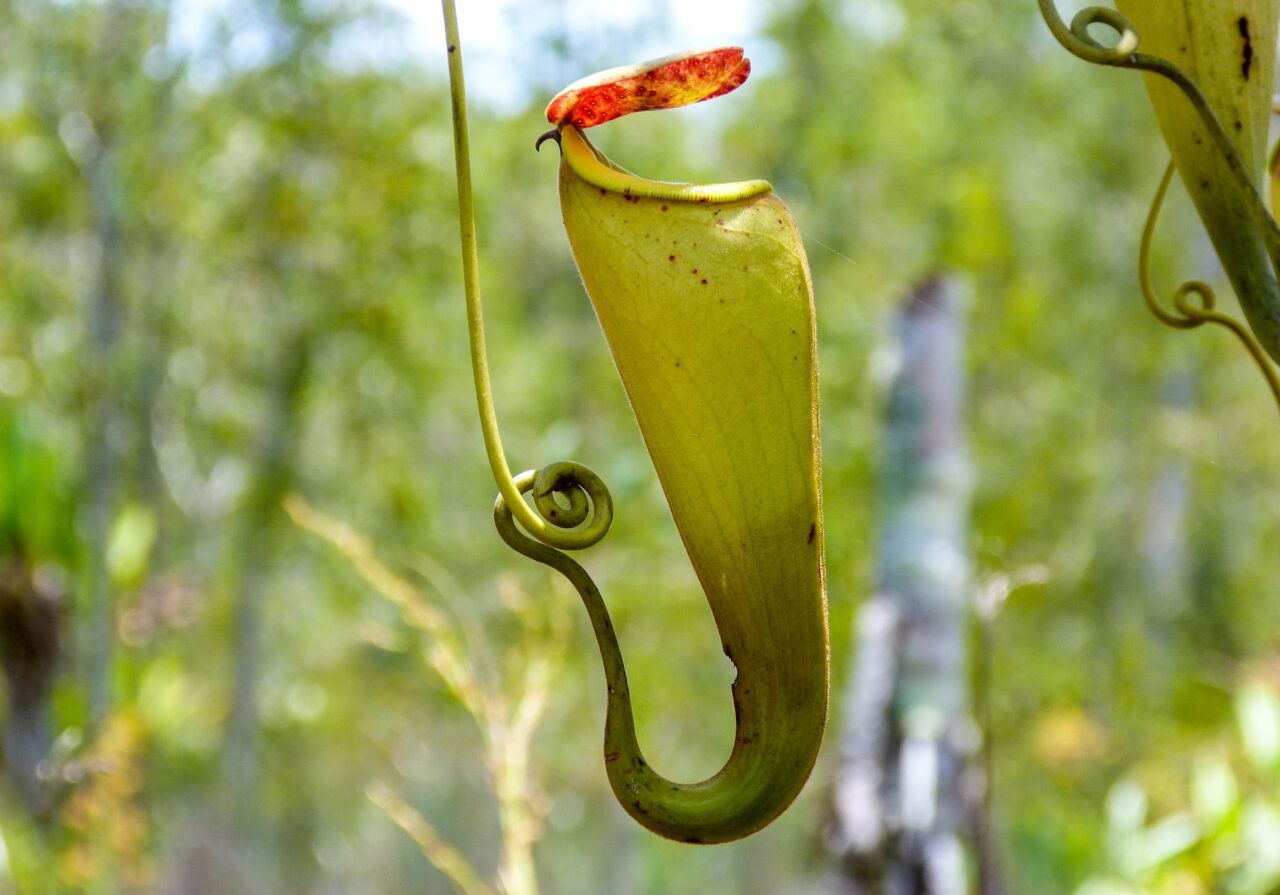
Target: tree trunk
[(907, 785), (105, 313), (253, 554), (1165, 552), (31, 625)]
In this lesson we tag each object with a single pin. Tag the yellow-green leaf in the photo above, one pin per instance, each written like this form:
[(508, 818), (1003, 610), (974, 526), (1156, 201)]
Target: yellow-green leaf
[(708, 310), (133, 534), (1228, 48)]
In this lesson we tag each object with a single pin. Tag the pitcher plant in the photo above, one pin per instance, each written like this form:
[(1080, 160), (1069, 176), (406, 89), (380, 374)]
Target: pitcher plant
[(1209, 68), (704, 296)]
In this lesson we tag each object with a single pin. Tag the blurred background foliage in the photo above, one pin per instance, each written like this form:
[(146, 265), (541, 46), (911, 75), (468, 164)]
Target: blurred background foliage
[(229, 284)]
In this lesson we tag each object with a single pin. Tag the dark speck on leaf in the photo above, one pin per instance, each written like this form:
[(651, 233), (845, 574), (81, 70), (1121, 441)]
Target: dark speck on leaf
[(704, 281), (664, 208), (671, 257), (452, 48), (1246, 57), (813, 532)]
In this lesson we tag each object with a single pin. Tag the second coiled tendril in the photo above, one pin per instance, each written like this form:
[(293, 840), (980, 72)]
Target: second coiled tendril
[(1080, 42), (1077, 40), (1194, 302), (1187, 313)]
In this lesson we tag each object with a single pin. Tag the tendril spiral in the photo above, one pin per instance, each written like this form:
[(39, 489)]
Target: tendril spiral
[(1078, 41), (1194, 302), (587, 503)]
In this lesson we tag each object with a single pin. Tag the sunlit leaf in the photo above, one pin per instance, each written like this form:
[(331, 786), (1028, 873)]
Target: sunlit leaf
[(129, 546), (1161, 842), (1258, 714), (1214, 791), (1126, 807), (1261, 834)]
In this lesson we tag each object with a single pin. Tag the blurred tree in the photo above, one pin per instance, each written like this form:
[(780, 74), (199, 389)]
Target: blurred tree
[(907, 790)]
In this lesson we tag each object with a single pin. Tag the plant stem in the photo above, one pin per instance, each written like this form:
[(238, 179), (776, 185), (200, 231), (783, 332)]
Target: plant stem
[(471, 264), (569, 479)]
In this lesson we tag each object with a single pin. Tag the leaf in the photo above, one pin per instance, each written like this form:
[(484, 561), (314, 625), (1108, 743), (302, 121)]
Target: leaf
[(133, 534), (1162, 842), (1214, 792), (1227, 47), (1261, 834), (1258, 714), (708, 310), (1126, 807)]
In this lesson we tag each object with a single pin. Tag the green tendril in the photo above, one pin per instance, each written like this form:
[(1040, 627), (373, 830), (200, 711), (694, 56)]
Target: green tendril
[(1077, 40), (615, 674), (1186, 314), (574, 507)]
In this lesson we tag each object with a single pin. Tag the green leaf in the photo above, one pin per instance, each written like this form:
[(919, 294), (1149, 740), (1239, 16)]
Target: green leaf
[(1214, 792), (705, 298), (1258, 714), (1126, 807), (1162, 842), (133, 534)]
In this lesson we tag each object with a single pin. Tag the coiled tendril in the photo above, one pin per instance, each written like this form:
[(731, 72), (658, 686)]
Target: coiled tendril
[(1077, 40), (582, 514), (1189, 314)]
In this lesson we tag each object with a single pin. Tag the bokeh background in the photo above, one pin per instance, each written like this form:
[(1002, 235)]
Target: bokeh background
[(258, 633)]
